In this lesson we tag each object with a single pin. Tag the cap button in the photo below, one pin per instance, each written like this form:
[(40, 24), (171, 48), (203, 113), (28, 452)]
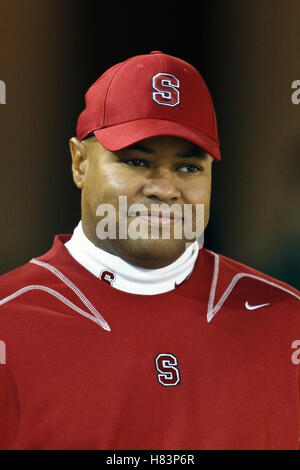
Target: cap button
[(156, 52)]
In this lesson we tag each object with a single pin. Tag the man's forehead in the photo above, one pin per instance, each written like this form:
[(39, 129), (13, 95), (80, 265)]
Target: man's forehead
[(178, 146)]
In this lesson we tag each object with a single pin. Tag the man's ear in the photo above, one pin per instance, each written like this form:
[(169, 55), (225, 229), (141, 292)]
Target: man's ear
[(79, 161)]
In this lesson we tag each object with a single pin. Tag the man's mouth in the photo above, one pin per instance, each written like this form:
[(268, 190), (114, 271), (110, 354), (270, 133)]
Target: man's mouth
[(158, 218)]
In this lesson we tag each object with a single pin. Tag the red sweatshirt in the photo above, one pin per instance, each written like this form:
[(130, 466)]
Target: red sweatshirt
[(212, 364)]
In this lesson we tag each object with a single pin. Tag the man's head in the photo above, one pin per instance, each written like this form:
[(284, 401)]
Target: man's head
[(148, 133), (158, 170)]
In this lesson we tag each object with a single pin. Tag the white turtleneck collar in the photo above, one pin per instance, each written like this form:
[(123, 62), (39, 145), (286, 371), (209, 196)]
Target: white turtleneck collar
[(127, 277)]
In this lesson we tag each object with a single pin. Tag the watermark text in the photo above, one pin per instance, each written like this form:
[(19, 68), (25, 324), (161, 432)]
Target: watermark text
[(154, 222), (2, 92), (296, 354), (295, 97), (2, 352)]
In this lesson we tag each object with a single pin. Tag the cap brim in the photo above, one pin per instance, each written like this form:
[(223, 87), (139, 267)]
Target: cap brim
[(124, 135)]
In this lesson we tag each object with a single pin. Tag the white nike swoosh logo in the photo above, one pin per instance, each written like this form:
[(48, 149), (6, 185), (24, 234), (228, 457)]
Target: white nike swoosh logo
[(253, 307)]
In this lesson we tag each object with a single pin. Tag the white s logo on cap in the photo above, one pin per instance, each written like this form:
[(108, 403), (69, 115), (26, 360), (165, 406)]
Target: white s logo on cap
[(167, 89)]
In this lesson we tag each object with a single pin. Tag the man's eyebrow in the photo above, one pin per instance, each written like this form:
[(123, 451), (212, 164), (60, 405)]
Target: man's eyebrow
[(140, 148), (189, 153), (196, 153)]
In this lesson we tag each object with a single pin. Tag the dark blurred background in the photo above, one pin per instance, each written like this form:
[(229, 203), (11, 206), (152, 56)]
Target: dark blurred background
[(248, 53)]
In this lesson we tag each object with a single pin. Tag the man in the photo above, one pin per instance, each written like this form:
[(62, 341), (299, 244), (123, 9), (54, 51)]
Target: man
[(125, 337)]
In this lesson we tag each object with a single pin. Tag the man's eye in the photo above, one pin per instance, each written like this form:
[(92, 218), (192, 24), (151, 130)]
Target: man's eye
[(135, 162), (191, 168)]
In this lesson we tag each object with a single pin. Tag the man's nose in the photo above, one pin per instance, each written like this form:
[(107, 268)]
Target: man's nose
[(162, 185)]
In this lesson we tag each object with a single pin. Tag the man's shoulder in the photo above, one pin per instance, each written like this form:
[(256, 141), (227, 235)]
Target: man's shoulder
[(238, 267), (229, 272), (15, 276), (30, 273), (43, 287), (240, 287)]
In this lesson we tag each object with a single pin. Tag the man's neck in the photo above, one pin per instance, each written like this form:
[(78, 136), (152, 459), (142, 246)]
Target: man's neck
[(125, 276)]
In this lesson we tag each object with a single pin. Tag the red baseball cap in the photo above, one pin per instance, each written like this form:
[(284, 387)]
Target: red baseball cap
[(147, 96)]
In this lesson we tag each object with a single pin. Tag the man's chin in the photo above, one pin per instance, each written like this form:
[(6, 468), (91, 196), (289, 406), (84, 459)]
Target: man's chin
[(149, 253)]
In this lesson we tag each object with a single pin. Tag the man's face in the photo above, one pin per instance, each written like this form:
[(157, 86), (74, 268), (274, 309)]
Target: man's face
[(158, 170)]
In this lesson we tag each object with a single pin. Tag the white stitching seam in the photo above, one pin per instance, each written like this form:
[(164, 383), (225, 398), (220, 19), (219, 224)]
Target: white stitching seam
[(212, 310), (96, 317)]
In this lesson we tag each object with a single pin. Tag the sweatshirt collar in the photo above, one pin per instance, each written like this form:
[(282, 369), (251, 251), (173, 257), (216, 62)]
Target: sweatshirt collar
[(127, 277)]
